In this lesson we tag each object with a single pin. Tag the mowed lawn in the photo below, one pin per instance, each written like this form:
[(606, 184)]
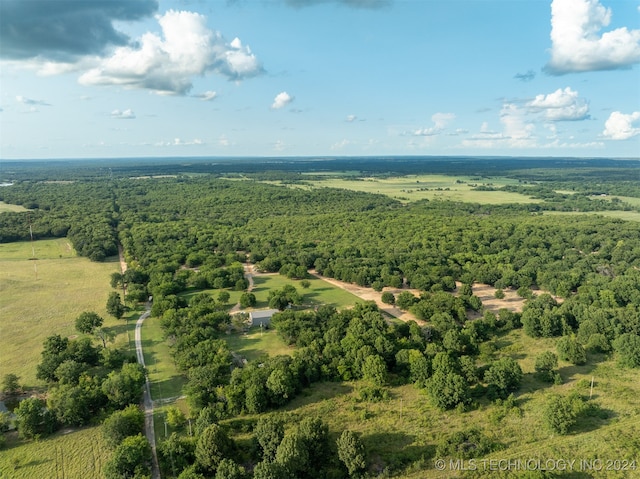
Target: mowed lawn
[(39, 298)]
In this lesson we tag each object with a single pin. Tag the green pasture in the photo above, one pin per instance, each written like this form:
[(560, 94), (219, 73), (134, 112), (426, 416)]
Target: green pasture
[(69, 453), (319, 292), (432, 187), (622, 215), (11, 208), (166, 380), (42, 297), (402, 433), (256, 344)]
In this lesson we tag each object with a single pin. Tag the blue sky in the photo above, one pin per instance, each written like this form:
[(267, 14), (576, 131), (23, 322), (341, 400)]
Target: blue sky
[(122, 78)]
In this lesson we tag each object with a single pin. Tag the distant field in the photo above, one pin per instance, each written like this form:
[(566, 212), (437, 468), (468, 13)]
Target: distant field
[(623, 215), (256, 344), (432, 187), (7, 207), (31, 309), (66, 454)]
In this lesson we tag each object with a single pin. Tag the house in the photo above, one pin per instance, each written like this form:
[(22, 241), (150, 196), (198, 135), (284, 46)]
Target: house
[(262, 317)]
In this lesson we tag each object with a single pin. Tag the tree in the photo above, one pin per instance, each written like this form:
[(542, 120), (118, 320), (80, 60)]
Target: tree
[(212, 447), (131, 458), (374, 369), (121, 424), (176, 453), (87, 322), (627, 347), (388, 298), (405, 300), (10, 384), (114, 305), (228, 469), (124, 387), (305, 283), (351, 452), (269, 432), (503, 377), (175, 417), (248, 300), (569, 349), (33, 418), (269, 470), (293, 454), (223, 297), (447, 389), (545, 365), (561, 412)]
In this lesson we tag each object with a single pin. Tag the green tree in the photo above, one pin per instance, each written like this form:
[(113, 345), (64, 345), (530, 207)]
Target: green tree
[(269, 470), (627, 348), (447, 389), (228, 469), (223, 297), (269, 432), (175, 417), (388, 298), (88, 321), (248, 300), (374, 369), (503, 377), (569, 349), (131, 458), (11, 384), (124, 387), (293, 454), (351, 453), (212, 447), (305, 283), (33, 418), (114, 305), (561, 412), (545, 365), (121, 424)]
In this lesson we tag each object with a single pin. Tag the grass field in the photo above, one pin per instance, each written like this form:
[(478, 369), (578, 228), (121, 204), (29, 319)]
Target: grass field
[(35, 307), (402, 433), (8, 207), (256, 344), (432, 187), (78, 454), (623, 215)]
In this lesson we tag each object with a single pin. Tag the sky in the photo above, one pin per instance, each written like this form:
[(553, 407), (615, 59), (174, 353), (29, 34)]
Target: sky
[(226, 78)]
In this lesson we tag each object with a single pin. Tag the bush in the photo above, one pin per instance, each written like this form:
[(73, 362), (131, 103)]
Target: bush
[(466, 444), (545, 365), (627, 347), (503, 377), (121, 424), (561, 412)]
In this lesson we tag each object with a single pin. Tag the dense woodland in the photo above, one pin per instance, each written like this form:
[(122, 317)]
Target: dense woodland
[(192, 232)]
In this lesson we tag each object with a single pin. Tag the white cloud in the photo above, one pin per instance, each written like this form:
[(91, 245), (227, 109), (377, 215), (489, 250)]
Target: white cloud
[(224, 141), (440, 120), (281, 100), (516, 131), (207, 95), (127, 114), (340, 144), (166, 64), (180, 142), (29, 101), (351, 118), (620, 126), (577, 42), (561, 105)]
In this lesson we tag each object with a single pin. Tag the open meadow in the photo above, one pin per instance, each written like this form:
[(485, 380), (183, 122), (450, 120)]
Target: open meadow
[(431, 187), (39, 298)]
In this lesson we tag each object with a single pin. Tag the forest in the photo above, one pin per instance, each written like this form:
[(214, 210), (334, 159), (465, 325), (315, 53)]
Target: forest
[(188, 229)]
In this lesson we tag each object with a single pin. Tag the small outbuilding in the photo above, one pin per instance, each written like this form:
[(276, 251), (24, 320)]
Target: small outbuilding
[(262, 317)]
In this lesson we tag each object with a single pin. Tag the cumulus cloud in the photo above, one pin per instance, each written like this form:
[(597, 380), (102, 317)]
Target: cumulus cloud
[(351, 118), (127, 114), (620, 126), (524, 77), (281, 100), (440, 120), (578, 44), (30, 101), (516, 132), (561, 105), (65, 29), (165, 64)]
